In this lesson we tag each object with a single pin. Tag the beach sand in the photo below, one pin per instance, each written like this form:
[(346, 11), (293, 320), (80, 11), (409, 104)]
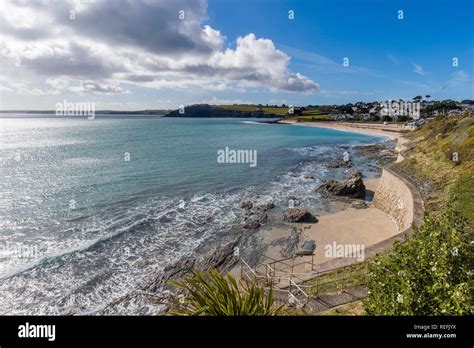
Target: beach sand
[(363, 227), (391, 130)]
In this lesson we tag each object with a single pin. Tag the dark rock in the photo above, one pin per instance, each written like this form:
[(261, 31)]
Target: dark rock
[(222, 259), (299, 215), (252, 224), (353, 187), (160, 296), (247, 205), (268, 206), (380, 152), (256, 215), (340, 164), (361, 205), (263, 218)]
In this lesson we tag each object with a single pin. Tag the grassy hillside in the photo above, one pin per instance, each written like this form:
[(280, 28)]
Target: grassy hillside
[(431, 166), (248, 110), (269, 110), (430, 273), (306, 114)]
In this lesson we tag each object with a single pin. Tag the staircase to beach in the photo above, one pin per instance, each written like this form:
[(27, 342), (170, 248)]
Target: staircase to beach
[(296, 281)]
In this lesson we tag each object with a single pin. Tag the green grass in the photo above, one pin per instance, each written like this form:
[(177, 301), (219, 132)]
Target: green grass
[(279, 111), (353, 308), (427, 273), (250, 108), (431, 167), (311, 118), (331, 282)]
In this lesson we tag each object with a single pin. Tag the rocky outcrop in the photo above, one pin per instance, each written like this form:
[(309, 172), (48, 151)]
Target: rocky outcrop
[(353, 187), (380, 152), (256, 215), (222, 259), (340, 164), (299, 215), (157, 296)]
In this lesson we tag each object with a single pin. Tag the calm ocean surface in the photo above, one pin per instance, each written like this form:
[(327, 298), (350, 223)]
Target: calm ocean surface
[(80, 224)]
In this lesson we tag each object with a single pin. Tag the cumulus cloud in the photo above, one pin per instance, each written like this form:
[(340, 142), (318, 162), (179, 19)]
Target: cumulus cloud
[(154, 44)]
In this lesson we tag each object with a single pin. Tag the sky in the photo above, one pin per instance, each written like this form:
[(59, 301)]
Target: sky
[(160, 54)]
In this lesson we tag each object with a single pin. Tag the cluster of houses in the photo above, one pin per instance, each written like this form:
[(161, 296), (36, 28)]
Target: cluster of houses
[(396, 109)]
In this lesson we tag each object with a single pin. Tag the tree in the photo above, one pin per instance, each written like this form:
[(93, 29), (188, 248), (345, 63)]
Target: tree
[(386, 118), (427, 97), (403, 118), (211, 293), (427, 274), (417, 98)]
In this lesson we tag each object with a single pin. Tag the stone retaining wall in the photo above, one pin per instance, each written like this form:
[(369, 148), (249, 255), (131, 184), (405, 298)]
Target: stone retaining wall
[(399, 198), (394, 197)]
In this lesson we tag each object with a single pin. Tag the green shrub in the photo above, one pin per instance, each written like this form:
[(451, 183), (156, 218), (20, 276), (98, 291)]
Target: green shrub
[(403, 118), (427, 274), (211, 293)]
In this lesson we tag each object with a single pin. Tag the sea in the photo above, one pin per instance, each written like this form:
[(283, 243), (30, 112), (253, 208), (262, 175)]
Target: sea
[(89, 208)]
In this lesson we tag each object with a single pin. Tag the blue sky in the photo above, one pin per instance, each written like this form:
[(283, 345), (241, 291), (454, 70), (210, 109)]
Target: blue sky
[(381, 48), (134, 55)]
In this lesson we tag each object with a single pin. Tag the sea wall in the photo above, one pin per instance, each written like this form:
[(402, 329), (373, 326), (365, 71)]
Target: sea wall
[(399, 198), (396, 196)]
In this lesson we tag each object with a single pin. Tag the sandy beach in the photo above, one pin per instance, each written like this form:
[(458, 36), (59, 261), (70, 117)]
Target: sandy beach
[(363, 227), (392, 131), (359, 227)]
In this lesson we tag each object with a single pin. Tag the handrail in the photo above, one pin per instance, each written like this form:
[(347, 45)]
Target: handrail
[(283, 282), (332, 281), (301, 290), (250, 268), (296, 299)]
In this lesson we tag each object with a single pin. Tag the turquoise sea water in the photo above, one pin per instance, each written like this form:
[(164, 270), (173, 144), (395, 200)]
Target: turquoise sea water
[(89, 208)]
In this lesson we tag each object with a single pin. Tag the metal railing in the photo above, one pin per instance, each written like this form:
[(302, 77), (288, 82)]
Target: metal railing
[(305, 285)]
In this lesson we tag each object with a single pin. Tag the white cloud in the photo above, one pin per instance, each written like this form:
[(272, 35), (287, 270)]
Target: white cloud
[(142, 43), (219, 101), (417, 69)]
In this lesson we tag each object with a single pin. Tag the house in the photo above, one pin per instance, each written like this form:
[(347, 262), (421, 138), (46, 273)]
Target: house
[(338, 116), (373, 110)]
